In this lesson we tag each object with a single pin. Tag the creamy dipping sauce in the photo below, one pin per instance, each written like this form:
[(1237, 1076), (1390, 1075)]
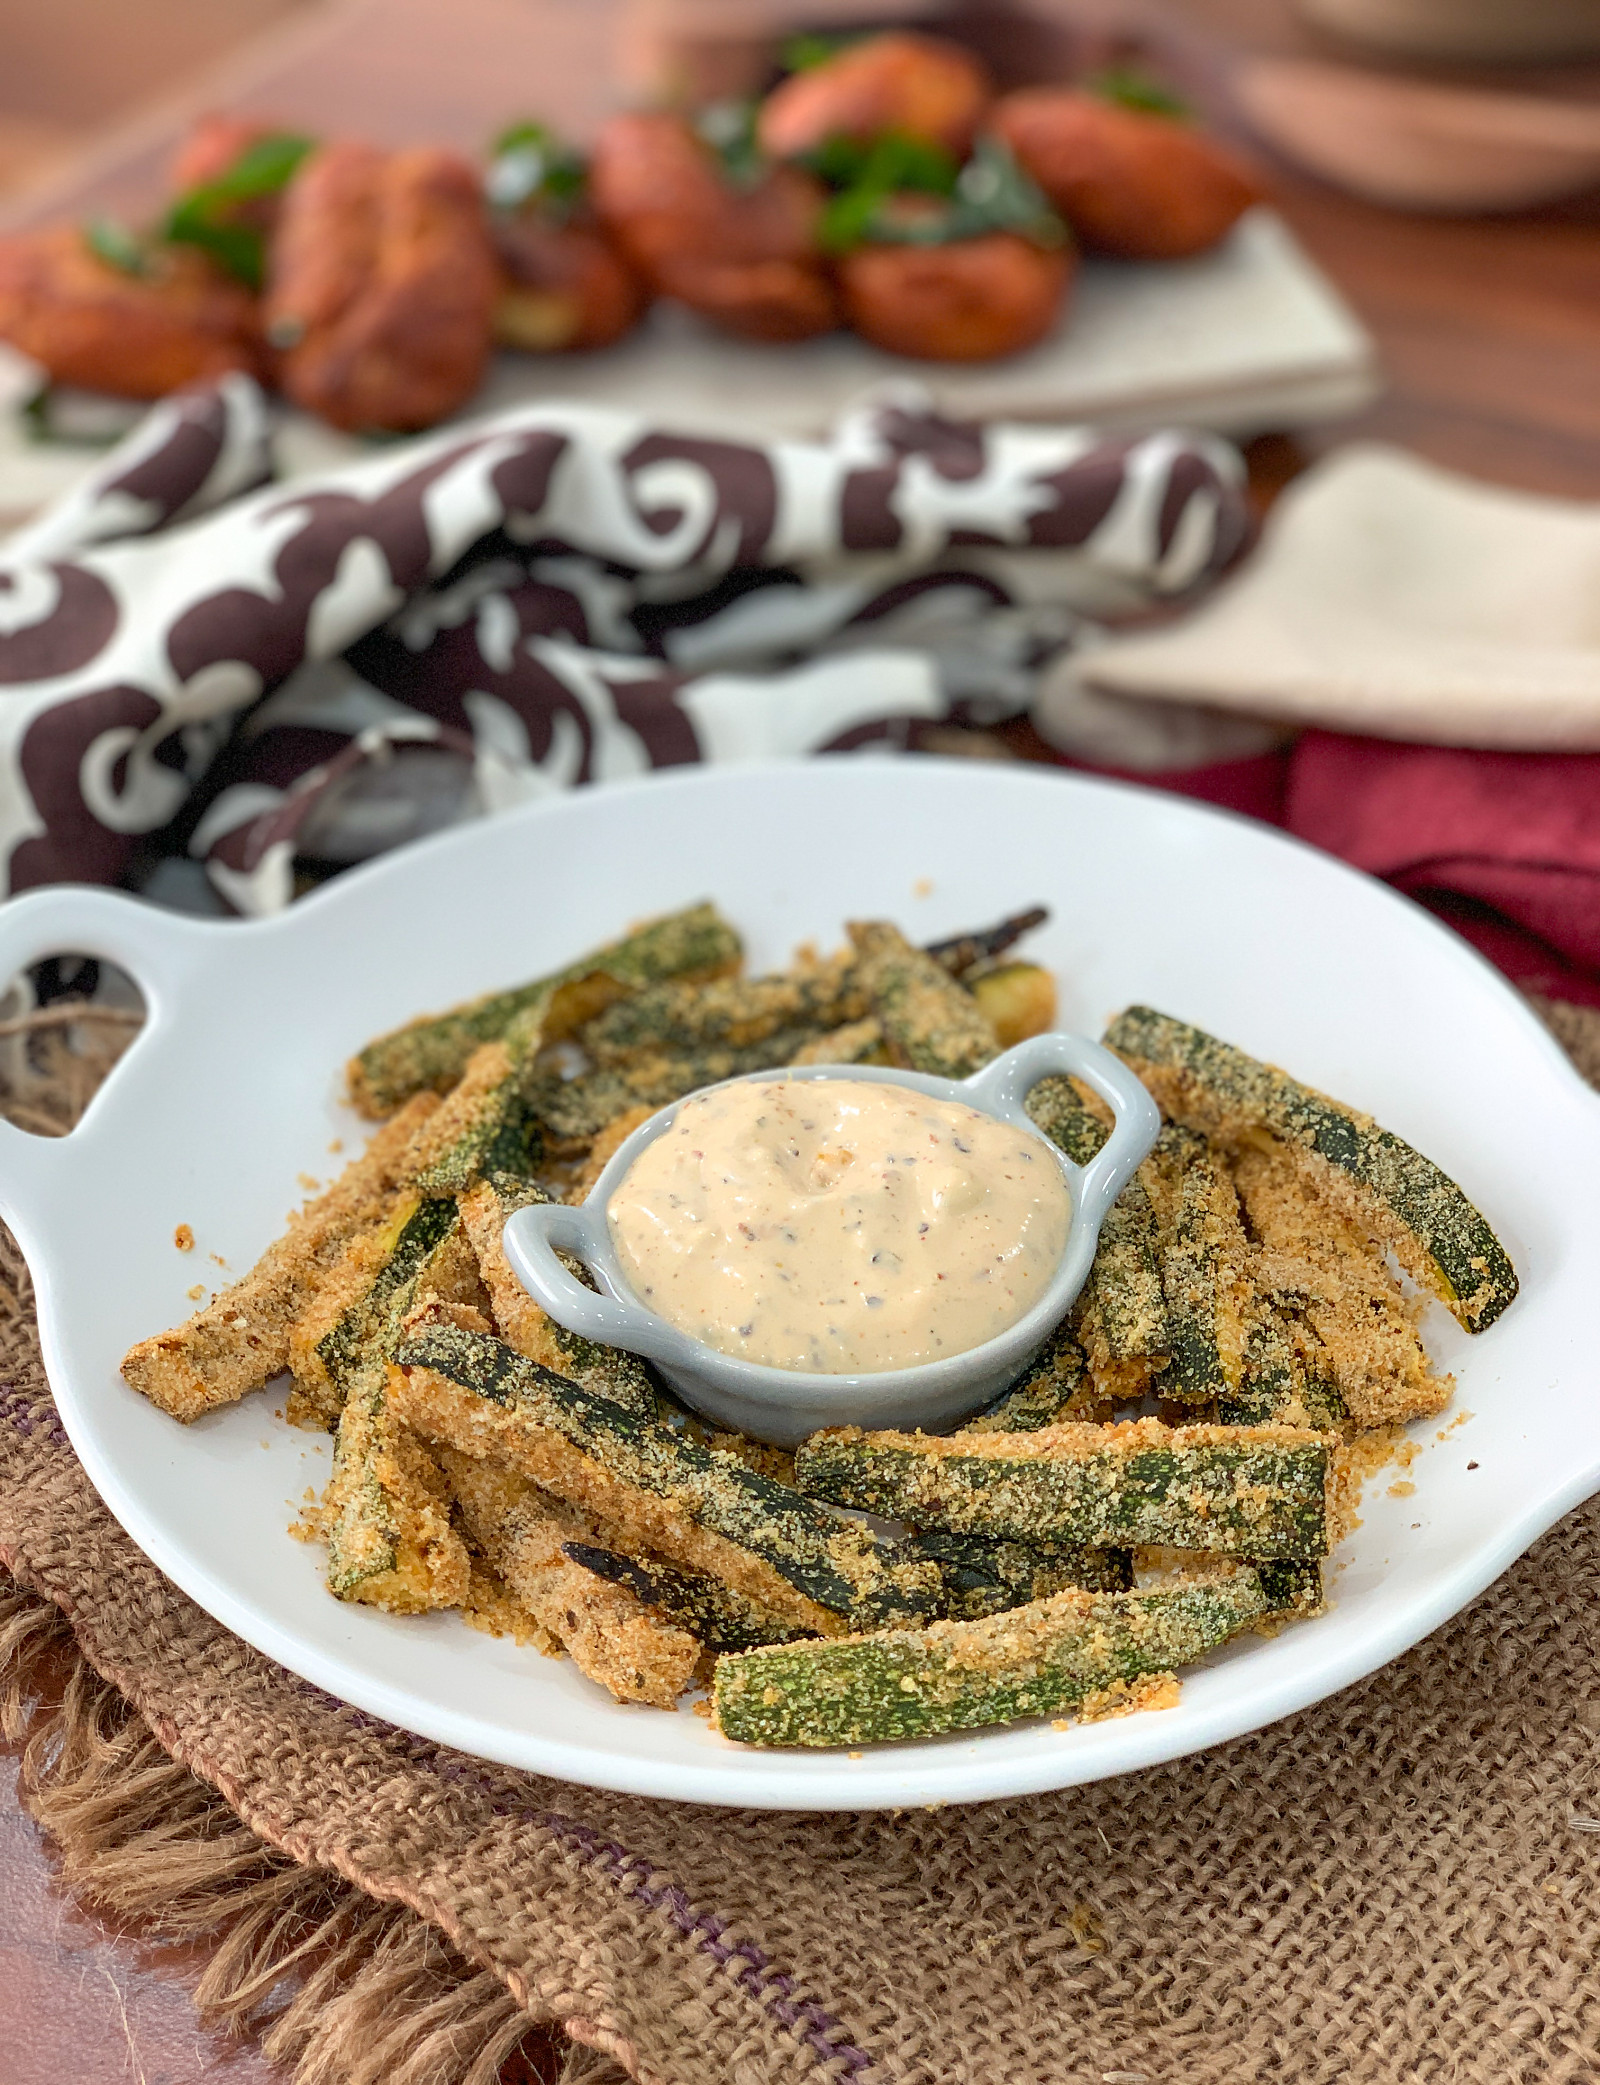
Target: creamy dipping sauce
[(839, 1226)]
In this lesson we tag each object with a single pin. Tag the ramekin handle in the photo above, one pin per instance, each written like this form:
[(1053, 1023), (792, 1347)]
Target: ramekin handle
[(1003, 1088), (531, 1238)]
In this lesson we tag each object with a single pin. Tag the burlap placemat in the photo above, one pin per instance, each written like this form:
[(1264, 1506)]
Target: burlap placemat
[(1396, 1885)]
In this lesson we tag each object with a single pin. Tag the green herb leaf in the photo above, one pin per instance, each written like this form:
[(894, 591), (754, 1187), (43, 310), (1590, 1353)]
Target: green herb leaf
[(1130, 88), (529, 164), (910, 193), (729, 128), (112, 242), (203, 216), (805, 53)]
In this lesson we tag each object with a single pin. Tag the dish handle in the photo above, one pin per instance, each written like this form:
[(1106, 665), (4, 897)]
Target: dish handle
[(158, 949), (1002, 1088)]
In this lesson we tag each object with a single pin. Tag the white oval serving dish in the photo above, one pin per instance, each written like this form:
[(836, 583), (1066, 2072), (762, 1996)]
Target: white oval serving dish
[(232, 1091)]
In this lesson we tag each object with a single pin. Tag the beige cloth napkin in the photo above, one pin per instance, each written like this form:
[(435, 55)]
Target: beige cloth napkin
[(1392, 598)]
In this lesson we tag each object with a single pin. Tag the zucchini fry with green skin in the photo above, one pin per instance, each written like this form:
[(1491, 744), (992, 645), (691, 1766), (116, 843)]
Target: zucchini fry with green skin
[(1374, 1177), (1207, 1294), (572, 1111), (241, 1338), (1055, 1385), (327, 1344), (606, 1371), (681, 1020), (1242, 1491), (430, 1054), (931, 1023), (721, 1618), (1071, 1651), (386, 1511), (985, 1576), (659, 1490), (964, 952), (1316, 1262), (611, 1635), (1122, 1315), (1286, 1379)]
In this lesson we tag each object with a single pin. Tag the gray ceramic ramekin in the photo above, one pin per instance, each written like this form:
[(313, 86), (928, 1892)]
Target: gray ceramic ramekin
[(782, 1405)]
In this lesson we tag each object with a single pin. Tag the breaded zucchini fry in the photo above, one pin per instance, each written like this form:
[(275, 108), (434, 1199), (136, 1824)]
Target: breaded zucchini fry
[(930, 1022), (572, 1111), (964, 952), (611, 1635), (1242, 1491), (1288, 1379), (327, 1342), (708, 1609), (674, 1019), (1122, 1315), (1316, 1261), (607, 1372), (659, 1490), (984, 1575), (242, 1336), (1360, 1168), (431, 1053), (1207, 1292), (386, 1511), (1071, 1650), (1055, 1385), (1017, 1000)]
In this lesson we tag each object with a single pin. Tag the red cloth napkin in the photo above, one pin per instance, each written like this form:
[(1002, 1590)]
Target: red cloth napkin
[(1505, 846)]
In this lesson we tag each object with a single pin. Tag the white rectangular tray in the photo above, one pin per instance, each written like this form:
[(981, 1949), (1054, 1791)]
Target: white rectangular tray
[(1248, 339)]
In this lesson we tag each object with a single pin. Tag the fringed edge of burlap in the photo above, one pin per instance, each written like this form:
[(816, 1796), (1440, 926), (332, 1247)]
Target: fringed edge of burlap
[(346, 1990)]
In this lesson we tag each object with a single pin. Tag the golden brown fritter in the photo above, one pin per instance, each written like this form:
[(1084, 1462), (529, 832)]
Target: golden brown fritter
[(561, 285), (747, 258), (138, 335), (965, 301), (381, 286), (1142, 186), (920, 86)]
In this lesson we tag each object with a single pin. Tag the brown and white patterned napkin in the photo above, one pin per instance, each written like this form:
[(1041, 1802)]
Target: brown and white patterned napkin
[(199, 665)]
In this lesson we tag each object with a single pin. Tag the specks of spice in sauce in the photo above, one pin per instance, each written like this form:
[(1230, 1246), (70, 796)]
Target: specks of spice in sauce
[(840, 1226)]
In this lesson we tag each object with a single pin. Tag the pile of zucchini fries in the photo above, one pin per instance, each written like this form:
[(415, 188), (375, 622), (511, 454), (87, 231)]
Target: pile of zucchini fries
[(1171, 1469)]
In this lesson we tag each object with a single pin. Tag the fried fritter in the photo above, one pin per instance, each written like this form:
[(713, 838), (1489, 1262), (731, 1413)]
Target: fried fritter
[(920, 86), (964, 301), (139, 335), (561, 285), (1142, 186), (381, 286), (746, 257)]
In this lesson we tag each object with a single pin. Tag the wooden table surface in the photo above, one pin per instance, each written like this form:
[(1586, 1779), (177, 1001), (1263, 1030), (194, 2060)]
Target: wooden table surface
[(1489, 331)]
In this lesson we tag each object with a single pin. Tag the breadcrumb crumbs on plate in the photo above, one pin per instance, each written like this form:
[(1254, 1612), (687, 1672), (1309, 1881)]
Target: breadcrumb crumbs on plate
[(309, 1183), (183, 1238), (1405, 1489), (336, 1146), (194, 1294), (216, 1257), (923, 887)]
